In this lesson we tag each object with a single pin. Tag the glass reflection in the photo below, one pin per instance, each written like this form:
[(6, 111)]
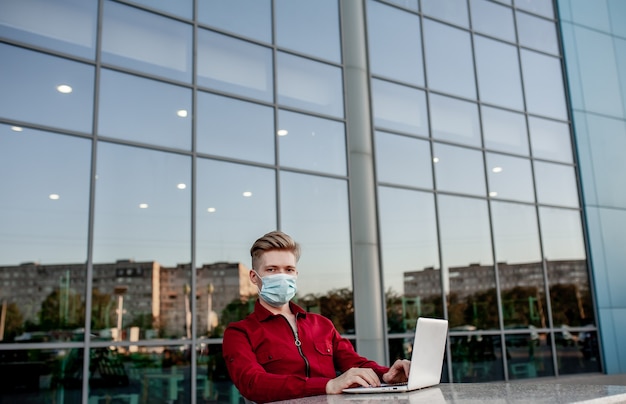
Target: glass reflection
[(250, 18), (577, 352), (543, 85), (410, 261), (309, 85), (311, 143), (520, 269), (556, 184), (400, 60), (542, 7), (139, 373), (234, 66), (529, 355), (146, 42), (403, 160), (493, 19), (222, 132), (504, 130), (63, 25), (499, 80), (449, 60), (509, 177), (183, 8), (36, 78), (314, 211), (144, 110), (454, 120), (537, 33), (297, 27), (458, 169), (550, 140), (467, 269), (399, 108), (47, 375), (476, 357), (453, 11)]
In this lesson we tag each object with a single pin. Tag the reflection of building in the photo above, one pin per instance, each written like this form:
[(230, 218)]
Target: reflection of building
[(153, 298), (466, 281)]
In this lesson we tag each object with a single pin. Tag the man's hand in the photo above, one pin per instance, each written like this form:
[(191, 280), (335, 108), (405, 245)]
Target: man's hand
[(398, 373), (352, 377)]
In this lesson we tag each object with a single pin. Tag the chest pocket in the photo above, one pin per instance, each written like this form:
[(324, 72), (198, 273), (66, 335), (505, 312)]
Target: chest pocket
[(324, 348), (266, 358)]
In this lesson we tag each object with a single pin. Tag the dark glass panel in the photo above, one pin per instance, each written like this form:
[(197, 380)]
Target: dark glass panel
[(41, 376), (577, 351), (529, 355), (476, 357)]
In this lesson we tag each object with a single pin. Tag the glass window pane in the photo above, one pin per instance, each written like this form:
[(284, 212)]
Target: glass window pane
[(543, 84), (476, 358), (399, 108), (142, 206), (64, 25), (183, 8), (562, 235), (221, 131), (309, 85), (250, 18), (454, 120), (399, 60), (146, 42), (410, 258), (556, 184), (52, 91), (298, 23), (585, 356), (143, 110), (403, 160), (493, 19), (235, 66), (37, 372), (529, 355), (44, 215), (504, 130), (311, 143), (467, 263), (550, 140), (520, 269), (449, 64), (453, 11), (408, 4), (314, 211), (498, 73), (235, 205), (458, 169), (537, 33), (542, 7), (510, 178)]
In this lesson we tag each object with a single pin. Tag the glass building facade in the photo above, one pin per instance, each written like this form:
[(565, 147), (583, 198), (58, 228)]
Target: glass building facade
[(452, 159)]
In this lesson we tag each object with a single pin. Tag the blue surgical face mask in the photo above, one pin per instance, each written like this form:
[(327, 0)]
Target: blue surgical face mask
[(277, 289)]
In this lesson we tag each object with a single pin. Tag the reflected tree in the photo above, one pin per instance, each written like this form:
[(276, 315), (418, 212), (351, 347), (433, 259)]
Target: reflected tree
[(62, 309)]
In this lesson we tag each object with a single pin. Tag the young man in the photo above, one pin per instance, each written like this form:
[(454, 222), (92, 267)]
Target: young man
[(281, 352)]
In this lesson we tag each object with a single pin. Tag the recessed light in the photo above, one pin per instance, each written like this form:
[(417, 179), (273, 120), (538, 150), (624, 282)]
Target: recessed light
[(181, 186), (143, 206), (64, 88), (282, 132), (211, 210), (493, 194), (182, 113), (497, 169), (16, 128), (436, 160), (54, 197), (247, 194)]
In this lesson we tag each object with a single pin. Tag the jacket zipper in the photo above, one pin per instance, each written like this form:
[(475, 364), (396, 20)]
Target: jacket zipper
[(307, 370)]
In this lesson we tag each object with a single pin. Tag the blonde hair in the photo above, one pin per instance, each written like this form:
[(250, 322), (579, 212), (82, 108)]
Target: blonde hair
[(275, 240)]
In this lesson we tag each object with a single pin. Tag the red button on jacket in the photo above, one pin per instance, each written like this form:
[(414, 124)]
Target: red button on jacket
[(267, 361)]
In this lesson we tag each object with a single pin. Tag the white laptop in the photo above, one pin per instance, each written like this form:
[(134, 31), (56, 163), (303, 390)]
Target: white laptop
[(426, 359)]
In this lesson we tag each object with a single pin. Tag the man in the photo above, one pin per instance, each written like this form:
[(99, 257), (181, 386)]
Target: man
[(281, 352)]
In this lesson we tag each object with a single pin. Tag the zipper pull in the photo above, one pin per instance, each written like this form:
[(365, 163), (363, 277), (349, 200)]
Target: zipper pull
[(297, 341)]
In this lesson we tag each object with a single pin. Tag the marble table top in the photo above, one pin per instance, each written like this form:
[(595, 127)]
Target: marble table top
[(468, 393)]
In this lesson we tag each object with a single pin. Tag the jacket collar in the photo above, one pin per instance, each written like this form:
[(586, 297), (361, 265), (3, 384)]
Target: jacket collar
[(262, 314)]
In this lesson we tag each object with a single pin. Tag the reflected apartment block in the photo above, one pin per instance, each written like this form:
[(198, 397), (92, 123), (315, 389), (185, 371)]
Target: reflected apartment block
[(151, 297)]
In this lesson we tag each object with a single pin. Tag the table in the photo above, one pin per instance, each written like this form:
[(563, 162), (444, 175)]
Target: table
[(469, 393)]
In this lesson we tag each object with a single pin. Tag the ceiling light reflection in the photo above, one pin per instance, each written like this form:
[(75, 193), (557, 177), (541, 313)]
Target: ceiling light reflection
[(493, 194), (54, 197), (211, 210), (143, 206), (282, 132), (247, 194), (436, 160), (181, 186), (497, 169), (182, 113), (16, 128), (64, 88)]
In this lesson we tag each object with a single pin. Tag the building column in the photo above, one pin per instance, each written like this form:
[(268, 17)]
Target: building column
[(369, 302)]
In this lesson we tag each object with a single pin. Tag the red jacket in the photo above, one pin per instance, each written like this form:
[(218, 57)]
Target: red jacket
[(266, 364)]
